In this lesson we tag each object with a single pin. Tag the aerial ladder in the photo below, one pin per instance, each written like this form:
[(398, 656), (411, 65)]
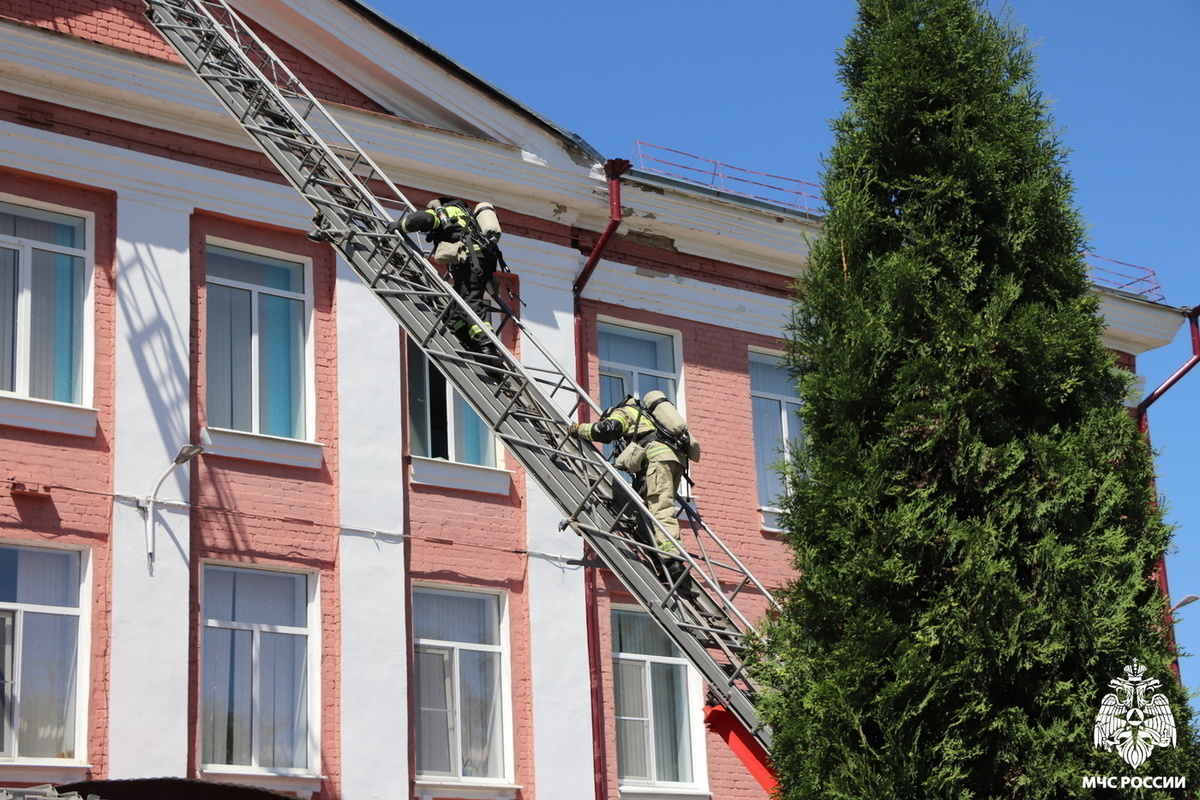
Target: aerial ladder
[(528, 406)]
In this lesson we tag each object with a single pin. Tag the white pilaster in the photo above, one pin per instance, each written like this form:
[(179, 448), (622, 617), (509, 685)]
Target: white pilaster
[(562, 711), (148, 699), (374, 637)]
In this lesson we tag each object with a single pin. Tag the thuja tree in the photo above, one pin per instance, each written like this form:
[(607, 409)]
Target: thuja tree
[(971, 510)]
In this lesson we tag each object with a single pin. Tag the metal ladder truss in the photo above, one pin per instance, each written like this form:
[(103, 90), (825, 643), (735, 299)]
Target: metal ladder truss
[(529, 407)]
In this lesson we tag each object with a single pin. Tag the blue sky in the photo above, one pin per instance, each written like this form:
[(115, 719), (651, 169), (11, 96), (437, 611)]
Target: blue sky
[(755, 85)]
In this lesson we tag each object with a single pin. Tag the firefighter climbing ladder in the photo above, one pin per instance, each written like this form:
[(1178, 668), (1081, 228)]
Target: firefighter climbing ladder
[(528, 407)]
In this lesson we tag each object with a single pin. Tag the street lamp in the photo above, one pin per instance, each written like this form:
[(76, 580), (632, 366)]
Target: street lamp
[(1191, 598), (185, 454)]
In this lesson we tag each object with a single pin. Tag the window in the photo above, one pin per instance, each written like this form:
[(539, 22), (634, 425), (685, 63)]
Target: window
[(39, 639), (653, 696), (254, 664), (459, 700), (776, 427), (635, 362), (442, 424), (44, 278), (257, 343)]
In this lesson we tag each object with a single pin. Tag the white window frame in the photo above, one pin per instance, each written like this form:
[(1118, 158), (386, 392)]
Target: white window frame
[(82, 614), (695, 723), (628, 371), (788, 423), (503, 781), (417, 365), (87, 319), (312, 698), (309, 415)]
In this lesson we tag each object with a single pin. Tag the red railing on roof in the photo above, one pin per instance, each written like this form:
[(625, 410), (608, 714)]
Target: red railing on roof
[(806, 196), (776, 189), (1126, 277)]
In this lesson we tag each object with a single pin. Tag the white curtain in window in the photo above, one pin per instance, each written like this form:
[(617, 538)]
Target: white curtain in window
[(46, 577), (8, 319), (41, 226), (254, 683), (226, 696), (634, 741), (636, 632), (775, 403), (479, 704), (635, 348), (672, 745), (769, 375), (458, 685), (49, 657), (458, 617), (281, 366), (768, 448), (8, 646), (435, 715), (56, 334), (227, 339), (265, 598), (473, 440), (629, 361), (282, 692), (653, 736)]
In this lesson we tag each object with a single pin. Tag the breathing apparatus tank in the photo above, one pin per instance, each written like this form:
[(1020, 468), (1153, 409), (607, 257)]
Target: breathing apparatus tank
[(671, 422), (489, 223)]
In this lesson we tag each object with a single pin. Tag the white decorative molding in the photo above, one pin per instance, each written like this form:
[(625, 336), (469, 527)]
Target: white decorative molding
[(431, 790), (294, 782), (33, 773), (659, 792), (260, 447), (1134, 325), (771, 520), (455, 475), (47, 415)]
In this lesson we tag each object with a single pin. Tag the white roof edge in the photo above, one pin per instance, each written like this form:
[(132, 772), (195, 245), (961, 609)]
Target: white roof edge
[(1134, 325)]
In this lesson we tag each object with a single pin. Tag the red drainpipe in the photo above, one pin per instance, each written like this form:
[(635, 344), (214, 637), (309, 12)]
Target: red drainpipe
[(1143, 423), (1192, 316), (614, 168)]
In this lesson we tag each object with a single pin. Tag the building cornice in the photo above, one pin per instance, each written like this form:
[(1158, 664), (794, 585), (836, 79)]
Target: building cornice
[(1134, 325)]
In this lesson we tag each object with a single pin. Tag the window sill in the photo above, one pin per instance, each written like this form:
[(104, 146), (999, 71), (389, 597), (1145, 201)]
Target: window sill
[(260, 447), (298, 782), (465, 477), (647, 792), (771, 520), (47, 415), (39, 773), (429, 789)]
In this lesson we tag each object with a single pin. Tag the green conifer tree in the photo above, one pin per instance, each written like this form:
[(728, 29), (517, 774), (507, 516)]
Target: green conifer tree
[(971, 510)]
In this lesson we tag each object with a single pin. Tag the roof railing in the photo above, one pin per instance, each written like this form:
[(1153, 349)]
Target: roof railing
[(807, 197), (1141, 281), (723, 177)]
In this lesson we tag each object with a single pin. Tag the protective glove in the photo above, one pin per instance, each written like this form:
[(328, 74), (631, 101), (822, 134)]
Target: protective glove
[(573, 430)]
